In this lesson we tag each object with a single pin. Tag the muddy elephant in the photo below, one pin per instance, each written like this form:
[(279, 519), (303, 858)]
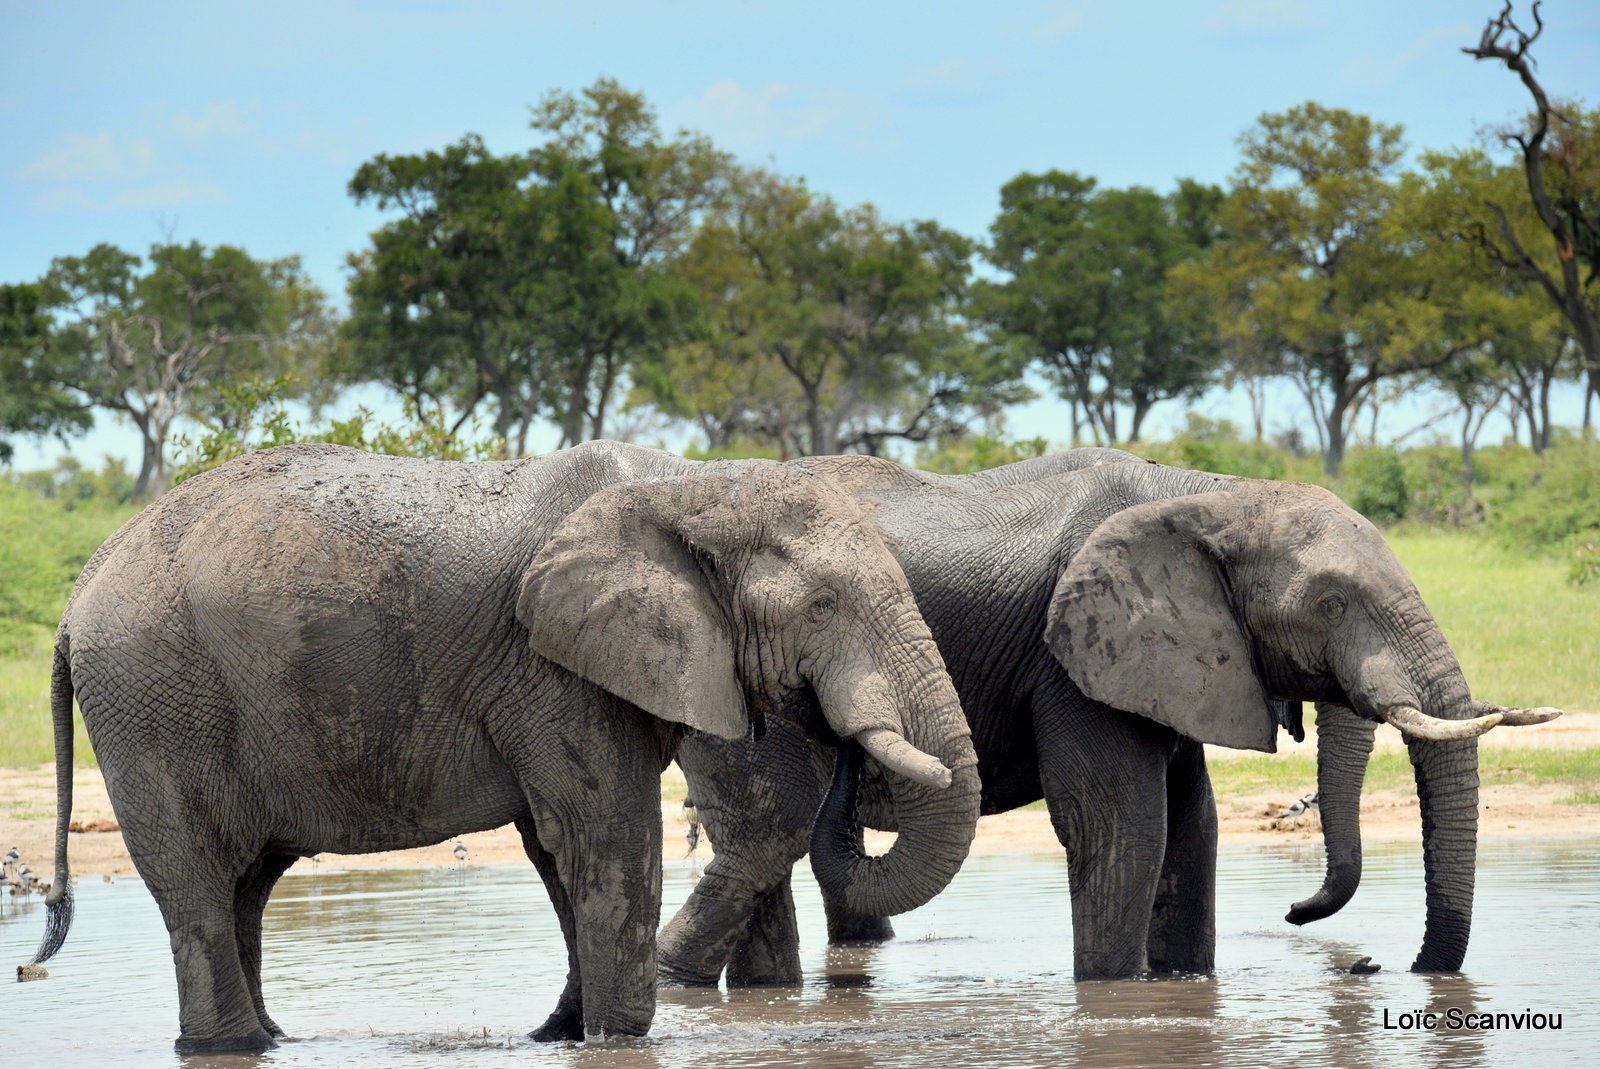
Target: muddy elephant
[(314, 649), (1206, 606)]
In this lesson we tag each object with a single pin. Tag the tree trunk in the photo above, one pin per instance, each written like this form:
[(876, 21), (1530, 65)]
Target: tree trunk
[(1544, 408), (1333, 455), (1141, 408)]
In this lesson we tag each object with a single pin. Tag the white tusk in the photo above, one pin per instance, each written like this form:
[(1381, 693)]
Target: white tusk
[(1416, 724), (1518, 718), (896, 754)]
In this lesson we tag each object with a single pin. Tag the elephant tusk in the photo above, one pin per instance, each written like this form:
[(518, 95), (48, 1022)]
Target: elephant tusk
[(896, 754), (1416, 724), (1517, 718)]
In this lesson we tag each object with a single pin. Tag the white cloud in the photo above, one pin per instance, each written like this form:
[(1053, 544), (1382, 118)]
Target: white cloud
[(94, 156), (155, 195), (1381, 72), (756, 121), (221, 119), (1265, 15), (168, 195), (951, 74)]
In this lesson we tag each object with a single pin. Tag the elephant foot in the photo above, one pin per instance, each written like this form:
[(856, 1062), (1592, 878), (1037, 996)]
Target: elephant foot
[(859, 930), (671, 972), (566, 1023), (255, 1042), (769, 975)]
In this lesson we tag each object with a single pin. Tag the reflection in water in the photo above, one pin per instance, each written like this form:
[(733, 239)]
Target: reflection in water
[(420, 967)]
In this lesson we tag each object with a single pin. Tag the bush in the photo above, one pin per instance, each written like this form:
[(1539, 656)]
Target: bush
[(1557, 504), (254, 417), (1214, 445), (1437, 494), (1373, 481), (977, 452)]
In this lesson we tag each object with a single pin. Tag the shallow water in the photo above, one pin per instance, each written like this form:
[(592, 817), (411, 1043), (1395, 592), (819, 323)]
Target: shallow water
[(444, 967)]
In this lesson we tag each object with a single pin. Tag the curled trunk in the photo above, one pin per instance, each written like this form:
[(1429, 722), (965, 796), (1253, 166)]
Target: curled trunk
[(930, 848), (1344, 743), (936, 823)]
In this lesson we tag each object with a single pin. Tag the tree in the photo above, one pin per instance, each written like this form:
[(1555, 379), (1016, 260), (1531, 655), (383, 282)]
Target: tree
[(1316, 266), (533, 281), (33, 366), (1527, 345), (1560, 150), (152, 339), (831, 329), (1088, 291)]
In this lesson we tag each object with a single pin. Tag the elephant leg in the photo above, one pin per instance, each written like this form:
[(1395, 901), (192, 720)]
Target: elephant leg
[(250, 896), (769, 953), (1104, 778), (566, 1020), (186, 871), (725, 918), (846, 928), (1183, 922), (756, 802)]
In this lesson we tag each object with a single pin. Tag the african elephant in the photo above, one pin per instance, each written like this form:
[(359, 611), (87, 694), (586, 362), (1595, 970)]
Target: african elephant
[(1202, 603), (315, 649)]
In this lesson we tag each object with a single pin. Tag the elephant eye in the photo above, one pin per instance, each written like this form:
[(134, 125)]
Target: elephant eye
[(822, 608), (1332, 606)]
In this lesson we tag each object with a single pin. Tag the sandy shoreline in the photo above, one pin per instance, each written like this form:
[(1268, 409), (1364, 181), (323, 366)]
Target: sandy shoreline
[(27, 810)]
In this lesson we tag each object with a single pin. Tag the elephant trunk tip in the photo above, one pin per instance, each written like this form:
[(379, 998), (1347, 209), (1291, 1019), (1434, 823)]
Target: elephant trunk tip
[(1337, 889), (1517, 718)]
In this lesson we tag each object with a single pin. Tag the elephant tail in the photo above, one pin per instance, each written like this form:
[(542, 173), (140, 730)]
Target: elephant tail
[(58, 902)]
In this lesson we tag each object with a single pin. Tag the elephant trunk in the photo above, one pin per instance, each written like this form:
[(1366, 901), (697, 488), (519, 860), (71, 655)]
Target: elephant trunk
[(936, 823), (1447, 792), (1344, 743), (1445, 767)]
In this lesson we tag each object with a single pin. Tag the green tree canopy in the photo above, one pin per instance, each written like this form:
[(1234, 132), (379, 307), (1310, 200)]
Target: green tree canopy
[(155, 338), (535, 281), (33, 367), (831, 329), (1088, 291)]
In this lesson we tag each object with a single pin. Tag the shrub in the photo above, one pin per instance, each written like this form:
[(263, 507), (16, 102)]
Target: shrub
[(977, 452), (1373, 481), (1214, 445), (1557, 504)]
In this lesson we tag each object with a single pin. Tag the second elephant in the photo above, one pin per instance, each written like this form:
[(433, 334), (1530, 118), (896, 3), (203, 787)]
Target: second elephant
[(1195, 601)]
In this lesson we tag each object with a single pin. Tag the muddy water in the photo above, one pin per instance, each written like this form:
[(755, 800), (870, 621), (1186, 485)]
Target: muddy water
[(442, 967)]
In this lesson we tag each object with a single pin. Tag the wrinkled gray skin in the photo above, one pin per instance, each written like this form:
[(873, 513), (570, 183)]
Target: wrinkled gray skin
[(315, 649), (1246, 595)]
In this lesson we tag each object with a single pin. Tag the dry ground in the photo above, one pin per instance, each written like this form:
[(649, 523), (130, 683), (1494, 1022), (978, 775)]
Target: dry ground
[(27, 809)]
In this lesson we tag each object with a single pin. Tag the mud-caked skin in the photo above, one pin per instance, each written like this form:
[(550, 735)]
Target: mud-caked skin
[(315, 649), (1065, 604)]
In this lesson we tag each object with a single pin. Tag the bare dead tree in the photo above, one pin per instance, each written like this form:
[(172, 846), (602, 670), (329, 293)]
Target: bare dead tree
[(1575, 233)]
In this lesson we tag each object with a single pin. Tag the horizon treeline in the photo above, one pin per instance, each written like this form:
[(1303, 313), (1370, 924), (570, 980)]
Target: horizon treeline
[(616, 280)]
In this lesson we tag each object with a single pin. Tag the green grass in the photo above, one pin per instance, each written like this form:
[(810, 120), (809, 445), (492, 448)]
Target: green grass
[(1524, 636), (1391, 769), (43, 545)]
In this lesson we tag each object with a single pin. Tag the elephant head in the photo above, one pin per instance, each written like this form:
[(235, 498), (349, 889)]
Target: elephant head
[(1200, 611), (715, 599)]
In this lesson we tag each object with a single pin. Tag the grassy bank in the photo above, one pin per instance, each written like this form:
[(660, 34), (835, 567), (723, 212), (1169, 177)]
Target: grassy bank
[(1524, 636), (44, 543), (1294, 774)]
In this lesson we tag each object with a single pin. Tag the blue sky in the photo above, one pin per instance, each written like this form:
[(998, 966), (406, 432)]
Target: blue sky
[(242, 124)]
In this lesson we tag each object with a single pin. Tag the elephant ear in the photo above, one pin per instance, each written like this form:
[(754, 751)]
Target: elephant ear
[(1141, 620), (621, 596)]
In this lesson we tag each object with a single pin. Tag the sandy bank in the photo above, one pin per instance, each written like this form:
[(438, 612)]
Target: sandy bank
[(27, 809)]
